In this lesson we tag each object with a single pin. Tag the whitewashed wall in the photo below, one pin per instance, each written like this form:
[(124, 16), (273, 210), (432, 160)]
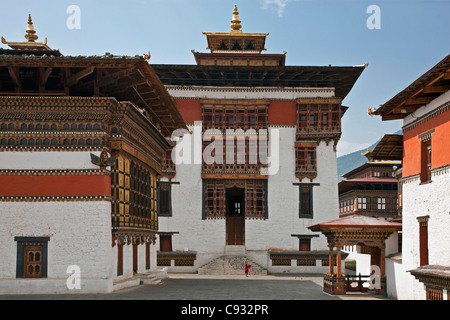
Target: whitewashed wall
[(207, 237), (431, 199), (80, 234)]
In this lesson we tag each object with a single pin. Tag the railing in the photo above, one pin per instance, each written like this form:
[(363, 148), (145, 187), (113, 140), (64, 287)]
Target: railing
[(176, 259), (333, 284), (358, 283)]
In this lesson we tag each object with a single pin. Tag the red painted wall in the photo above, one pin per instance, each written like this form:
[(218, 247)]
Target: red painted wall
[(283, 112), (190, 109), (280, 112), (440, 144), (55, 185)]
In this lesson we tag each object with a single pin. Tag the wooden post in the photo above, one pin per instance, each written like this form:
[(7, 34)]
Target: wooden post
[(382, 260), (338, 261), (331, 258)]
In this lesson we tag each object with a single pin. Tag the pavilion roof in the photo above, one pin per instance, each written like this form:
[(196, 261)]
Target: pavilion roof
[(356, 221)]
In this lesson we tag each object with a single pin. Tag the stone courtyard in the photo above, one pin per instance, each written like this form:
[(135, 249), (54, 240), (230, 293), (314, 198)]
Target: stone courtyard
[(217, 287)]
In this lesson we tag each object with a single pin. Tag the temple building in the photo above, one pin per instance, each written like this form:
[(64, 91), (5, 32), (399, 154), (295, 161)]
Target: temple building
[(258, 163), (422, 271), (82, 142), (370, 189)]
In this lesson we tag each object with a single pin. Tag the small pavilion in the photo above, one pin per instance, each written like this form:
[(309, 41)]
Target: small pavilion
[(355, 230)]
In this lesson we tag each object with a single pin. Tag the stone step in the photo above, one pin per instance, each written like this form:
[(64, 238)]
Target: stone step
[(137, 279), (230, 265), (149, 278), (126, 283), (235, 250)]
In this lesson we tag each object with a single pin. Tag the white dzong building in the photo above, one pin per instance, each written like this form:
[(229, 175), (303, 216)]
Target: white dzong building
[(220, 197)]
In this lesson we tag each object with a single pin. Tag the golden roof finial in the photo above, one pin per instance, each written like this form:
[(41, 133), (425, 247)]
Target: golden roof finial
[(235, 22), (31, 33)]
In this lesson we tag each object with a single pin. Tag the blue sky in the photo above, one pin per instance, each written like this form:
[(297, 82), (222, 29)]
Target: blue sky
[(414, 36)]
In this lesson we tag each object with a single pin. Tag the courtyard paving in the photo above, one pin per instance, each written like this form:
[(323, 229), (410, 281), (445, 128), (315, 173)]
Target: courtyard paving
[(213, 287)]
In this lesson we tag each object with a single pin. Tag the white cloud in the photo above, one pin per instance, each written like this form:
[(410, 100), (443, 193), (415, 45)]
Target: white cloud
[(277, 5)]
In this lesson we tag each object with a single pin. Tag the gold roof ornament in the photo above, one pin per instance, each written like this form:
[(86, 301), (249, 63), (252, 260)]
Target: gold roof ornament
[(235, 41), (235, 22), (31, 36), (31, 33)]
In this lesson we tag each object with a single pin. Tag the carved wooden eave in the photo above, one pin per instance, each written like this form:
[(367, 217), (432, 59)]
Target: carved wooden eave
[(422, 91), (433, 275), (125, 237), (125, 78), (342, 79)]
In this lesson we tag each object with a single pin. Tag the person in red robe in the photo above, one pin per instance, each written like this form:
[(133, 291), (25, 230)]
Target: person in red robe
[(247, 267)]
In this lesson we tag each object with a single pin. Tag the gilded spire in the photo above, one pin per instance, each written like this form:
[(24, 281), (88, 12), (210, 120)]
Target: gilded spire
[(31, 36), (235, 22), (31, 33)]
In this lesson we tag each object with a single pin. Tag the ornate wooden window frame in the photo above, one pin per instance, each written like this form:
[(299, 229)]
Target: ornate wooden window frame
[(306, 193), (214, 198), (164, 195), (306, 160), (318, 115), (40, 244), (425, 156)]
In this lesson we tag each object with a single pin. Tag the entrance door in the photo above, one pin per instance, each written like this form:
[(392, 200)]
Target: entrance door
[(135, 258), (235, 218)]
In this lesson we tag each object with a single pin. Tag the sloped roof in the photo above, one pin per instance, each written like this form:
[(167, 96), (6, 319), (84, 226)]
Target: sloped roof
[(356, 221), (427, 87)]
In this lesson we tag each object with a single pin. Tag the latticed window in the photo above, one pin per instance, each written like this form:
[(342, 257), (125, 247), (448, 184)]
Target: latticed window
[(31, 257), (168, 164), (235, 153), (214, 193), (362, 203), (214, 198), (134, 193), (305, 156), (317, 115), (381, 204), (229, 114), (434, 293), (256, 198)]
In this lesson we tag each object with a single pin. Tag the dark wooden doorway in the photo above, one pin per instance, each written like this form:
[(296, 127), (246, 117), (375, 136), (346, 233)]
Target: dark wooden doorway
[(235, 217), (135, 257)]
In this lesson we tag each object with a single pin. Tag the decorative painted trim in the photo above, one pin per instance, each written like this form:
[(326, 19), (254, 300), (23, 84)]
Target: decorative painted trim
[(274, 125), (410, 179), (50, 148), (63, 172), (434, 172), (273, 93), (439, 110), (440, 171), (52, 198)]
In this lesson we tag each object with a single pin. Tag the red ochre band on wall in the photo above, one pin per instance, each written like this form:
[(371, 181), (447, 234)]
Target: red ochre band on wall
[(439, 141), (55, 185)]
